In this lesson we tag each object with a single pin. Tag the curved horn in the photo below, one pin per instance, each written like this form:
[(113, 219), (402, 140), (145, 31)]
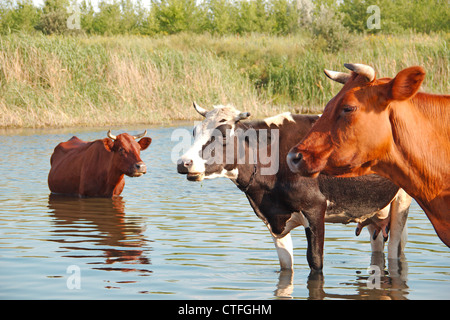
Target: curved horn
[(140, 135), (362, 69), (340, 77), (111, 136), (200, 109)]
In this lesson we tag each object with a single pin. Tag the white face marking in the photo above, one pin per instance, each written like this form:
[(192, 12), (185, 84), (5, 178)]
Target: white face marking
[(193, 154), (203, 132), (278, 119)]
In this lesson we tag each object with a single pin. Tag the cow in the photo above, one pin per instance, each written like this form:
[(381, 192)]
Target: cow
[(385, 126), (284, 201), (96, 168)]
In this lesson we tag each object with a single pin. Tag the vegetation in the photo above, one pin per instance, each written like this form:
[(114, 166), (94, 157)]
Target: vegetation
[(221, 17), (98, 80), (124, 62)]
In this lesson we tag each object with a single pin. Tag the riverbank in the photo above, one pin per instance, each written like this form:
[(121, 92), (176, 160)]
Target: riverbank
[(66, 81)]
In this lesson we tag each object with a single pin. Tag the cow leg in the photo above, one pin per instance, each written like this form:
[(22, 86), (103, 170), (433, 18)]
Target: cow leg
[(285, 251), (376, 244), (315, 234), (399, 214)]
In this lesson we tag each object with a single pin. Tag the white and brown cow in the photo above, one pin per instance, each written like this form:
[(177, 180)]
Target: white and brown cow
[(253, 155)]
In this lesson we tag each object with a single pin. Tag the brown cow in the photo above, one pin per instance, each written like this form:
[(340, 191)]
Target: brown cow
[(385, 126), (97, 168)]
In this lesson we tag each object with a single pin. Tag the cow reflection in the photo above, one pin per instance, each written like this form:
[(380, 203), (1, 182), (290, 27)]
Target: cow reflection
[(85, 226), (391, 285)]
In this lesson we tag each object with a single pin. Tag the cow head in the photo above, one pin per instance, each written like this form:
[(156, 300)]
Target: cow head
[(207, 157), (354, 132), (126, 152)]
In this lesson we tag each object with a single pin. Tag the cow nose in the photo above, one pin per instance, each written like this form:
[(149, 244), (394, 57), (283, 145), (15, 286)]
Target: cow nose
[(141, 167), (295, 157), (293, 160), (183, 165), (187, 163)]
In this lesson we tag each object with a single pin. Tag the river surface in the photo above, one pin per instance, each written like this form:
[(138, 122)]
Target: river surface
[(168, 238)]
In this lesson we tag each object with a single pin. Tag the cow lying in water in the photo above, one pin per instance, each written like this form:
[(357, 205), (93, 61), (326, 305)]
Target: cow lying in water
[(97, 168), (224, 146)]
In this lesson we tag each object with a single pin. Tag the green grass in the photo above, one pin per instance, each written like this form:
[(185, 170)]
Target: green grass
[(61, 81)]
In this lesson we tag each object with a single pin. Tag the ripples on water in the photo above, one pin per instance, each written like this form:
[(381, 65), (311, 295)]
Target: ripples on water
[(167, 238)]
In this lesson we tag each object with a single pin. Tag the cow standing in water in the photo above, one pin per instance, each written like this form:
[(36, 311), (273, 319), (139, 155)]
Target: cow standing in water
[(97, 168), (225, 146), (385, 126)]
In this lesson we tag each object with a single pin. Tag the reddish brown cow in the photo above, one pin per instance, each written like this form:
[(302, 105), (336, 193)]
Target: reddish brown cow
[(385, 126), (97, 168)]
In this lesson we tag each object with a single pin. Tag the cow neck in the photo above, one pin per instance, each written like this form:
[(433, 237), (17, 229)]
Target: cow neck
[(114, 176), (113, 183), (244, 187), (240, 181), (419, 176)]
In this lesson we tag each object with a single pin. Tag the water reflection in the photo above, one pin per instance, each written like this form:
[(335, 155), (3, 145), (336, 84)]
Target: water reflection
[(97, 229), (390, 284)]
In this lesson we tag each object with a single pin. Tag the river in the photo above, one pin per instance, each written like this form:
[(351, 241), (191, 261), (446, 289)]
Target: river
[(168, 238)]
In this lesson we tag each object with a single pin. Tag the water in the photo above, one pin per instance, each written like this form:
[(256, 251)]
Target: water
[(168, 238)]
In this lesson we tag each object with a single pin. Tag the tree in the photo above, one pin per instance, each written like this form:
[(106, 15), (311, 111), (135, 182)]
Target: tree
[(221, 16), (108, 20), (18, 16), (174, 16), (285, 15)]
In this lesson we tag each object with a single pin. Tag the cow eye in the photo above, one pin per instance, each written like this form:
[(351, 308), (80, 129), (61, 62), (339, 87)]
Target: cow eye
[(348, 109)]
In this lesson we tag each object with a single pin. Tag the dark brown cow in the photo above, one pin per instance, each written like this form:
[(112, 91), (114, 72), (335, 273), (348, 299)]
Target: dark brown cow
[(97, 168), (253, 155), (385, 126)]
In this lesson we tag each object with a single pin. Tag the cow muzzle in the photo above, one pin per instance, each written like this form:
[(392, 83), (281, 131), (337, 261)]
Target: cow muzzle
[(139, 169), (297, 164), (293, 160), (185, 167)]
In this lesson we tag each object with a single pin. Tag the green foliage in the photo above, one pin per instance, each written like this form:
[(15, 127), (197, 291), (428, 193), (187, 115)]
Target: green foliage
[(174, 16), (224, 17), (398, 16), (18, 16), (221, 17)]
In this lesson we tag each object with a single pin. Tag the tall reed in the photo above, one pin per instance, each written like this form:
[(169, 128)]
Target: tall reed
[(60, 81)]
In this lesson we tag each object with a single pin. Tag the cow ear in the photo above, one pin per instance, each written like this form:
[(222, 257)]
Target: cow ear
[(108, 144), (145, 142), (407, 82)]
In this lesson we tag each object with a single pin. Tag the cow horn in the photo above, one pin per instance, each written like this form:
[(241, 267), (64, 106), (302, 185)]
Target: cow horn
[(243, 115), (362, 69), (111, 136), (140, 135), (340, 77), (200, 109)]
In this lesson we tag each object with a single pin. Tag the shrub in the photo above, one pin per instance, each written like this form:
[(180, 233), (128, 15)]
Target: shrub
[(54, 22), (329, 31)]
